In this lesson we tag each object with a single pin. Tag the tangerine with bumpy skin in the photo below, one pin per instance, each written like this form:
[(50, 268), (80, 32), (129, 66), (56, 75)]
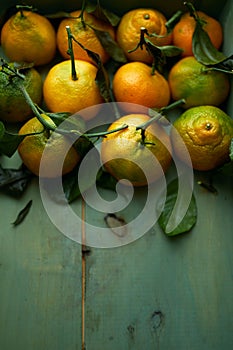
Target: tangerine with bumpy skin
[(63, 94), (184, 29), (13, 106), (29, 37), (207, 132), (127, 154), (32, 147), (85, 34), (129, 28), (134, 83), (197, 84)]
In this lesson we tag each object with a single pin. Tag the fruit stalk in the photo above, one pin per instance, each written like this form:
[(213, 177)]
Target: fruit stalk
[(49, 127), (160, 113), (71, 53), (21, 8), (34, 109)]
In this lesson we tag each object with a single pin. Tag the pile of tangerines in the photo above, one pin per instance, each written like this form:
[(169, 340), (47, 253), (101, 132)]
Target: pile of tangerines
[(70, 86)]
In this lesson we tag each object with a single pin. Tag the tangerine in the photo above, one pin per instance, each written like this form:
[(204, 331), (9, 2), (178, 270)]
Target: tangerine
[(84, 32), (13, 106), (129, 29), (207, 132), (184, 29), (62, 93), (133, 155), (28, 37), (134, 83), (32, 147), (197, 84)]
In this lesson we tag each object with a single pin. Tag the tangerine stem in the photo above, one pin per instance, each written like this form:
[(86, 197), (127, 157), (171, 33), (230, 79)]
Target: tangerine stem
[(71, 53), (104, 133), (21, 8), (82, 13), (67, 132), (141, 42), (194, 13), (172, 21), (12, 70), (172, 105), (160, 113), (34, 109)]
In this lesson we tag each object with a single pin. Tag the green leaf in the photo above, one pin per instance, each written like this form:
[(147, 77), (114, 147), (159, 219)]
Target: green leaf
[(203, 49), (102, 80), (70, 185), (9, 143), (190, 217), (208, 186), (83, 145), (226, 169), (166, 50), (22, 214), (102, 13), (111, 46), (170, 50), (105, 180), (23, 65), (160, 53), (14, 181), (225, 66), (59, 14)]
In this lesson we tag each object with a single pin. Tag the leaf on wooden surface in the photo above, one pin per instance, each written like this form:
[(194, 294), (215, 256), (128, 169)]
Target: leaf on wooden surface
[(116, 224), (190, 217), (22, 214), (14, 181)]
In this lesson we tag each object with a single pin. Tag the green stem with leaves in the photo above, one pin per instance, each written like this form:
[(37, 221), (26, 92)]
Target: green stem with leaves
[(48, 126), (29, 101), (67, 132)]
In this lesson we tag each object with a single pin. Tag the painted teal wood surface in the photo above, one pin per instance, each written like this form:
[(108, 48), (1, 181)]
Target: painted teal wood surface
[(161, 293), (40, 281), (155, 293)]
